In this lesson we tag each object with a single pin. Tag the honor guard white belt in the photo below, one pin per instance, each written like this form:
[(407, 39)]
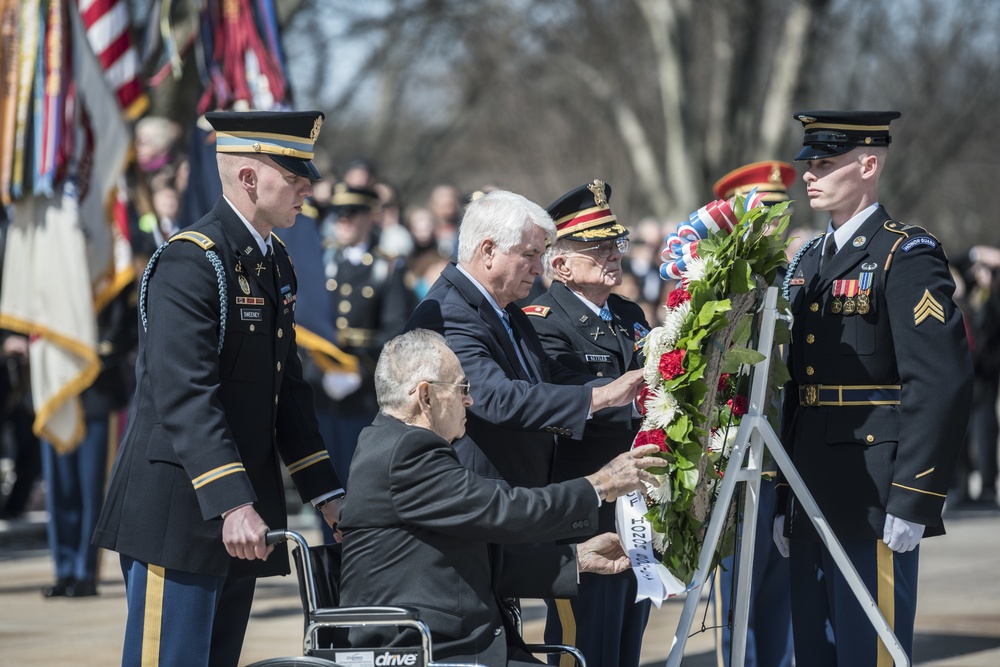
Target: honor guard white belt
[(839, 395)]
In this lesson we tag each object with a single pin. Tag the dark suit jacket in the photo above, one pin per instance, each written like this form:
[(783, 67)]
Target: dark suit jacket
[(863, 461), (207, 427), (571, 333), (513, 422), (418, 527)]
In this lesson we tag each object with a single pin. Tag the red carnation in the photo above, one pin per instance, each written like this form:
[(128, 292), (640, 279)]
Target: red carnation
[(738, 405), (723, 382), (671, 364), (677, 297), (657, 437), (643, 397)]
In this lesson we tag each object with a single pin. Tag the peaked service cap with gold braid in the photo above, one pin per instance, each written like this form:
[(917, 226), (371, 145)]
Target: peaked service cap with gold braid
[(771, 178), (287, 137), (347, 200), (830, 133), (583, 214)]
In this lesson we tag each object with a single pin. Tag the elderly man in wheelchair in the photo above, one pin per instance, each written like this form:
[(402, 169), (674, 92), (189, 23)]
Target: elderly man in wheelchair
[(424, 534)]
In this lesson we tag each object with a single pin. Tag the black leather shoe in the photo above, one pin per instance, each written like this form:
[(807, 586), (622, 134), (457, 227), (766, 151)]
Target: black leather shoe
[(58, 589), (81, 589)]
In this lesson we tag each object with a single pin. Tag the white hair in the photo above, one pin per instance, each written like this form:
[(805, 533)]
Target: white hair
[(405, 361), (562, 246), (503, 217)]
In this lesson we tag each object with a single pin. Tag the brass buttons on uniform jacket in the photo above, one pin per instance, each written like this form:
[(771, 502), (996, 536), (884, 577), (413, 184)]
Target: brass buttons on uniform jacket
[(810, 370), (870, 438), (814, 307), (281, 332), (278, 368), (810, 339)]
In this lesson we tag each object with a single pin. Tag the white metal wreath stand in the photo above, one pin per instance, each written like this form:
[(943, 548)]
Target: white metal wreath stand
[(754, 434)]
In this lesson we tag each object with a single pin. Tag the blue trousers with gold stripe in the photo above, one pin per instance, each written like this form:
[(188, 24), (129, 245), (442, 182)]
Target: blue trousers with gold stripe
[(180, 619), (829, 626), (604, 621)]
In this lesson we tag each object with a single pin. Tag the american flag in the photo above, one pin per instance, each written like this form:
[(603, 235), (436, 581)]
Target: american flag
[(109, 31)]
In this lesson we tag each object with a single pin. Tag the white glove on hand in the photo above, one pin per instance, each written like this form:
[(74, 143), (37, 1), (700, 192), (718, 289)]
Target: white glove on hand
[(338, 384), (901, 535), (778, 533)]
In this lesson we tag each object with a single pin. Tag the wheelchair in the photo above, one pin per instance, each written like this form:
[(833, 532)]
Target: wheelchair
[(324, 642)]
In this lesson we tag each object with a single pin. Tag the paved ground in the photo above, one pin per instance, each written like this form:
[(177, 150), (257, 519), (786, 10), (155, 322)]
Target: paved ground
[(958, 624)]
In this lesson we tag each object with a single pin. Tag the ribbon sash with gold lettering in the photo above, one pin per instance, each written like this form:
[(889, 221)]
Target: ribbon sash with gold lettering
[(655, 583)]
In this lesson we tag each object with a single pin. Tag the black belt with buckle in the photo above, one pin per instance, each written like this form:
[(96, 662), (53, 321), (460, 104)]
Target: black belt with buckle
[(827, 395)]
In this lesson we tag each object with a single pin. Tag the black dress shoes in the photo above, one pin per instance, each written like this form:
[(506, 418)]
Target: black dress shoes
[(81, 589), (58, 589), (70, 588)]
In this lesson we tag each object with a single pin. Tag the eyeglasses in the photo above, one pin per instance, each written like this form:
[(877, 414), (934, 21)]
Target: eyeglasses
[(465, 386), (604, 249)]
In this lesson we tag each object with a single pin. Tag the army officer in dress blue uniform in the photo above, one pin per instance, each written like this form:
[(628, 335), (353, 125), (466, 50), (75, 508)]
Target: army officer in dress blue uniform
[(583, 325), (220, 404), (370, 303), (877, 408)]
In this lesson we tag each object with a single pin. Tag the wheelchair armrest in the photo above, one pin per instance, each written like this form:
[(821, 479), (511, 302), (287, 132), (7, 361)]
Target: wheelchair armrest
[(558, 648), (360, 615)]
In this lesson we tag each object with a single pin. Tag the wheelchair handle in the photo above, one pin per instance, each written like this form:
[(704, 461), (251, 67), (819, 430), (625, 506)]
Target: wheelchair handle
[(275, 537)]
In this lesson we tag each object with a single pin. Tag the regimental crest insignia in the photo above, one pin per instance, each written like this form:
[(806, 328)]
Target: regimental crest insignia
[(314, 132), (597, 187)]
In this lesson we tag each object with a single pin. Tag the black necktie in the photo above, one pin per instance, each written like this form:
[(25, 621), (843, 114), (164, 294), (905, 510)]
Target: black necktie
[(829, 251)]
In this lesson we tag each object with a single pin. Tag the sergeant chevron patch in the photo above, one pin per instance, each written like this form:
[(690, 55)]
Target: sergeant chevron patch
[(928, 307)]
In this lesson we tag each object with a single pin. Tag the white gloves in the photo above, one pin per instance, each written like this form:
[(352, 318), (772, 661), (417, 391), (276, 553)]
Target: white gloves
[(778, 533), (338, 384), (901, 535)]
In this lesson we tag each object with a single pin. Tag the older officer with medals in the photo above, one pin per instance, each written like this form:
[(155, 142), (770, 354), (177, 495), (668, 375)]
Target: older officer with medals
[(220, 405), (583, 325), (878, 404)]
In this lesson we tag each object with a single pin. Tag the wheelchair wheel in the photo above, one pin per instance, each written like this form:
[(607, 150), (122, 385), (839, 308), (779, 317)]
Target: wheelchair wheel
[(295, 661)]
